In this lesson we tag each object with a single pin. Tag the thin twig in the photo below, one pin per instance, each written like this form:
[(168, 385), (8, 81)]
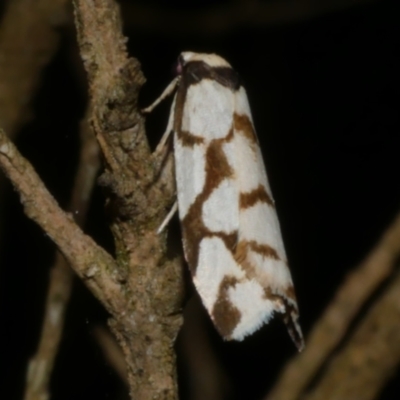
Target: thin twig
[(370, 357), (112, 352), (61, 275), (90, 261), (334, 323), (28, 40), (40, 366)]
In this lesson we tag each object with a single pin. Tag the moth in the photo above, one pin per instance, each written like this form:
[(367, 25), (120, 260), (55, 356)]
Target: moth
[(231, 235)]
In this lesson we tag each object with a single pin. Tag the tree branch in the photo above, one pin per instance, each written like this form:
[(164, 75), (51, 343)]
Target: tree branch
[(139, 196), (28, 40), (90, 261), (61, 276), (369, 358)]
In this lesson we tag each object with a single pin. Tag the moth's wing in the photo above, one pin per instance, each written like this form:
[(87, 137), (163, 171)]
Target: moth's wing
[(208, 194), (268, 286)]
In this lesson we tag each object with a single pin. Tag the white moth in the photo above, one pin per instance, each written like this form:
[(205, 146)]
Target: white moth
[(231, 236)]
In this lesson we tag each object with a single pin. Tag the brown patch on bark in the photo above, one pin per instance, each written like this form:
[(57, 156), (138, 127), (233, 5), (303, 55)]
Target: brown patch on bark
[(244, 126), (225, 315), (258, 195)]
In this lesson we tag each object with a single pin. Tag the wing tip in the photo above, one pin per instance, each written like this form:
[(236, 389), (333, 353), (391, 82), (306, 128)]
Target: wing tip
[(294, 329), (290, 318)]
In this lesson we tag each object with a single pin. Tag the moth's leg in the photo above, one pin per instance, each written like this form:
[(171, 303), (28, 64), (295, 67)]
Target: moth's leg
[(168, 217), (161, 148), (160, 154), (167, 92)]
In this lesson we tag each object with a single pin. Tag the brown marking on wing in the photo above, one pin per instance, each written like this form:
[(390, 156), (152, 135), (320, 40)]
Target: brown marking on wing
[(290, 293), (286, 301), (243, 125), (230, 239), (193, 228), (241, 255), (258, 195), (224, 314), (276, 298), (263, 249), (217, 165), (241, 258), (241, 252), (188, 139)]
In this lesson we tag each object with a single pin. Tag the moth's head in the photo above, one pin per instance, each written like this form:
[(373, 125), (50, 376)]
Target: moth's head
[(212, 60)]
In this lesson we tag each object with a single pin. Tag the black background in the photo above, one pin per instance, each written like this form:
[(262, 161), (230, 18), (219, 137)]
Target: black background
[(324, 94)]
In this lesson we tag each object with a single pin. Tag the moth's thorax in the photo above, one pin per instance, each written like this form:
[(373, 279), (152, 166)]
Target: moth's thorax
[(212, 60), (196, 67)]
